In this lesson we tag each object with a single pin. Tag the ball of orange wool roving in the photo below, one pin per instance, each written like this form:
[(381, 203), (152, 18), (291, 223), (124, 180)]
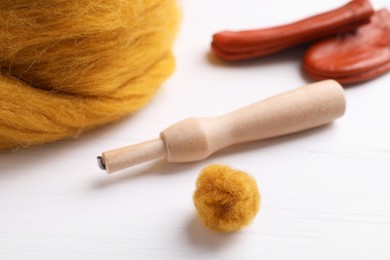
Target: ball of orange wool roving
[(67, 66), (226, 199)]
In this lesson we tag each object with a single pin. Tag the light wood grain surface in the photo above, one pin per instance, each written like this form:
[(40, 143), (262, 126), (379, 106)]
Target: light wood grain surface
[(325, 192)]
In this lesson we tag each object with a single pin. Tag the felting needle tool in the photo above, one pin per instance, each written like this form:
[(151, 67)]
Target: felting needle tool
[(196, 138)]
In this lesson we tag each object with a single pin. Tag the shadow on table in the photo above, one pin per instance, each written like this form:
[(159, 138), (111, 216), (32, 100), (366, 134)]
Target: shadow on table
[(288, 55), (157, 168), (206, 239)]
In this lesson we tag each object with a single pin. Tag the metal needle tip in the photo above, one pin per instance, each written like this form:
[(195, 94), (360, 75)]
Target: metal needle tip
[(101, 163)]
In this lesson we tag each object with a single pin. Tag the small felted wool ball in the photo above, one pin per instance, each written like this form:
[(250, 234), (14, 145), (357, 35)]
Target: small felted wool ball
[(226, 199)]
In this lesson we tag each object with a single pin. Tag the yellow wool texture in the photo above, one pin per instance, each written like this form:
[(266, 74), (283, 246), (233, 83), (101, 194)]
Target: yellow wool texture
[(68, 65), (226, 199)]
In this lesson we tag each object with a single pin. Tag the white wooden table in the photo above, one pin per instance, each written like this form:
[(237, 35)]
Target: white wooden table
[(325, 192)]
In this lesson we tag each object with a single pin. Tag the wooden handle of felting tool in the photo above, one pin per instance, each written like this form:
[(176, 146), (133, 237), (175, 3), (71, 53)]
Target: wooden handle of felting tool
[(196, 138)]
